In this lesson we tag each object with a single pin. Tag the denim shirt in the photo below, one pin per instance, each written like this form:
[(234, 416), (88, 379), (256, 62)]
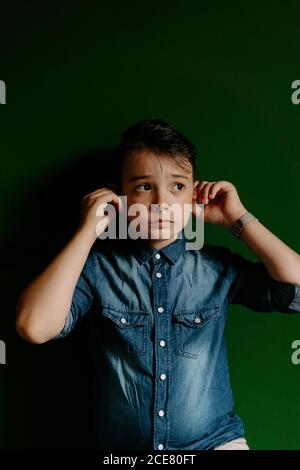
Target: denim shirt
[(157, 335)]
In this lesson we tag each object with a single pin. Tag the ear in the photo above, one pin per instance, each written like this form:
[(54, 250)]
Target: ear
[(196, 183), (114, 187)]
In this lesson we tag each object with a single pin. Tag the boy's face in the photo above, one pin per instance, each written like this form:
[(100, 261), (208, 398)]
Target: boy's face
[(149, 179)]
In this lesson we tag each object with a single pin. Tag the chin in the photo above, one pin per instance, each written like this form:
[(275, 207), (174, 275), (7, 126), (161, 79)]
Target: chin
[(162, 233)]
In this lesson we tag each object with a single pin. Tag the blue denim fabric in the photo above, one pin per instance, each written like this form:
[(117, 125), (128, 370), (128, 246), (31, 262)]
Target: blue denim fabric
[(186, 305)]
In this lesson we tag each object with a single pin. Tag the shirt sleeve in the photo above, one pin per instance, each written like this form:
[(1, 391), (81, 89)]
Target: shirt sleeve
[(252, 286), (82, 300)]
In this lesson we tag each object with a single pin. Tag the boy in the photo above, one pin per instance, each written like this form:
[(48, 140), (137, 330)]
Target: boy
[(159, 310)]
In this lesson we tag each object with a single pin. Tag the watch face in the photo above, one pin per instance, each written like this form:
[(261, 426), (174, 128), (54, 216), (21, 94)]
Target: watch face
[(237, 227), (235, 230)]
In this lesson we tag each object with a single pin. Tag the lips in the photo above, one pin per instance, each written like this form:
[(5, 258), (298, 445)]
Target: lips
[(161, 222)]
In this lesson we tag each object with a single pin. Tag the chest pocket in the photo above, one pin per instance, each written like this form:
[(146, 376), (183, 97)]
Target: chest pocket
[(195, 330), (126, 330)]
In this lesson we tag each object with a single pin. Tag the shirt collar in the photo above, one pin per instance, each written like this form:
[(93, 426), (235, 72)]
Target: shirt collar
[(143, 251)]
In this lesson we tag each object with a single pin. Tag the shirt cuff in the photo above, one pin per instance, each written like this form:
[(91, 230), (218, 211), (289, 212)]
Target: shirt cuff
[(295, 304), (67, 327)]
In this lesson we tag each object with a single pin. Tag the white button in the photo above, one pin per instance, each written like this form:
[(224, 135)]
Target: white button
[(160, 446), (161, 412), (123, 320), (158, 274), (162, 343), (160, 309), (163, 376), (157, 255), (197, 320)]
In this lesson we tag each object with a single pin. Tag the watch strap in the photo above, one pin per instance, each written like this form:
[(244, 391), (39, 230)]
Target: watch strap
[(239, 224)]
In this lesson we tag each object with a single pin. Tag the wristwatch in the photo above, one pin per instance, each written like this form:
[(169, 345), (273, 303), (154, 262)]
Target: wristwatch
[(240, 223)]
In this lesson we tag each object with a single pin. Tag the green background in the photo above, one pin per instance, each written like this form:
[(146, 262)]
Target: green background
[(77, 75)]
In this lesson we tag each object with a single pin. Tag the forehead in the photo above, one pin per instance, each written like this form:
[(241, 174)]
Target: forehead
[(146, 162)]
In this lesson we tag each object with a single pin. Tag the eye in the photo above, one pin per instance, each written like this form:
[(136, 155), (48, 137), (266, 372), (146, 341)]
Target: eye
[(180, 184), (147, 185)]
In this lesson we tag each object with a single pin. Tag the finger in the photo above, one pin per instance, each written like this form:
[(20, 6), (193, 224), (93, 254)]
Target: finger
[(111, 197), (220, 185), (215, 189), (89, 201), (98, 191), (108, 192), (199, 190), (205, 191), (201, 184)]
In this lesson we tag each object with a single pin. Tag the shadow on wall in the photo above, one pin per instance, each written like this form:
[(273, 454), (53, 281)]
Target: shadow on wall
[(47, 388)]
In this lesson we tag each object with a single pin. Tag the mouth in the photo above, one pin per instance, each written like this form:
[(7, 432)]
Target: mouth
[(161, 223)]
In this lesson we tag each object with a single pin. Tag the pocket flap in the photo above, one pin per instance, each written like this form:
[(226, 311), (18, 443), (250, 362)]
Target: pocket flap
[(126, 318), (197, 317)]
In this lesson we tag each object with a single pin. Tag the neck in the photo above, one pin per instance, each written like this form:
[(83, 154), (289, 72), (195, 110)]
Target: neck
[(159, 244)]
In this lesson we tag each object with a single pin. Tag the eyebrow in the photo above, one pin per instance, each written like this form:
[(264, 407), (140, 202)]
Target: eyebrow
[(143, 177)]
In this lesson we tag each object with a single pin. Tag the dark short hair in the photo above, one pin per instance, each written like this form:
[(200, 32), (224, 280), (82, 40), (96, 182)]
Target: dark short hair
[(159, 137)]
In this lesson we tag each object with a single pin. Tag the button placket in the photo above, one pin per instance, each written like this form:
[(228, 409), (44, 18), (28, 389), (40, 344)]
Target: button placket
[(161, 373)]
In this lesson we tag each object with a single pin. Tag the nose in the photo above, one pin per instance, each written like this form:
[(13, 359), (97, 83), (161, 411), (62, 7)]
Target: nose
[(159, 202)]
